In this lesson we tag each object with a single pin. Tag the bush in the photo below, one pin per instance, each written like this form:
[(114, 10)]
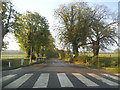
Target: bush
[(71, 59), (5, 63), (83, 58), (104, 62), (114, 62), (94, 60)]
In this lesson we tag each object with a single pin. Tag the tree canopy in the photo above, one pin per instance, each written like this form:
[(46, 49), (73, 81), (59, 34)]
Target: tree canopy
[(31, 31), (81, 25), (7, 13)]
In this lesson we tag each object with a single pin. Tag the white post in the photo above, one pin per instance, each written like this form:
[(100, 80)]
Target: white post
[(22, 61), (9, 64)]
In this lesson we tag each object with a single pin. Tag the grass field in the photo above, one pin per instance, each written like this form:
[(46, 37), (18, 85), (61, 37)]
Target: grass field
[(15, 60), (12, 56), (16, 63), (106, 61), (103, 54)]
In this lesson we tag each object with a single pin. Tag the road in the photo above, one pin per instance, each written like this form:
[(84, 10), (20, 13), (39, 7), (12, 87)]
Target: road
[(56, 73)]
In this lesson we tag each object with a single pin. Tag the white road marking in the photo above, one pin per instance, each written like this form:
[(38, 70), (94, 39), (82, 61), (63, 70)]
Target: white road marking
[(85, 80), (16, 69), (64, 81), (117, 74), (0, 81), (19, 81), (42, 81), (103, 79), (7, 77), (114, 77)]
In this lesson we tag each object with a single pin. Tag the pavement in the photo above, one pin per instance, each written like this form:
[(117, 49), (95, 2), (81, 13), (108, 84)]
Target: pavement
[(55, 73)]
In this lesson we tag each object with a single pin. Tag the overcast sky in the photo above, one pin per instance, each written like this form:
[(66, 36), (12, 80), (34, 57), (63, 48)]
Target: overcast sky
[(46, 9)]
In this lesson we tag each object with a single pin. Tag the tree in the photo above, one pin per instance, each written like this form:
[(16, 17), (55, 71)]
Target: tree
[(31, 31), (7, 17), (7, 13), (85, 26), (103, 29), (50, 50), (74, 24)]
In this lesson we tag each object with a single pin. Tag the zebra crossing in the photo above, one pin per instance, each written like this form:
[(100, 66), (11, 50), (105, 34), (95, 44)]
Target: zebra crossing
[(7, 77), (113, 77), (64, 81), (19, 82), (85, 80), (42, 81), (103, 79)]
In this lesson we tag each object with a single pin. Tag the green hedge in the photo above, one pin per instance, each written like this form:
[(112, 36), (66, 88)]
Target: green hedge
[(83, 58), (101, 61), (104, 61)]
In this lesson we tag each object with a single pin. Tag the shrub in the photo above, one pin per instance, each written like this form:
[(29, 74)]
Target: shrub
[(104, 62), (83, 58), (5, 63), (94, 60), (114, 62), (71, 59)]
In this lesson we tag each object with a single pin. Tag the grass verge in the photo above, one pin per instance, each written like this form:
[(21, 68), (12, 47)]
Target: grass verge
[(114, 69), (16, 63)]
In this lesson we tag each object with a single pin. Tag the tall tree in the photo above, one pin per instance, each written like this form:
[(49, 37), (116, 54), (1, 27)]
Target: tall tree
[(31, 31), (103, 29), (82, 25), (7, 13), (74, 20)]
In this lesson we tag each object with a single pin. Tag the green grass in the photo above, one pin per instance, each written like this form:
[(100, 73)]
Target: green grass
[(107, 61), (12, 56), (16, 63), (15, 60), (112, 69), (103, 54)]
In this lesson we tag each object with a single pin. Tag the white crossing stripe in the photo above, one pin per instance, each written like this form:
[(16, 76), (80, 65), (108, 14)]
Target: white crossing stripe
[(85, 80), (0, 81), (7, 77), (42, 81), (103, 79), (64, 81), (19, 81), (114, 77), (117, 74)]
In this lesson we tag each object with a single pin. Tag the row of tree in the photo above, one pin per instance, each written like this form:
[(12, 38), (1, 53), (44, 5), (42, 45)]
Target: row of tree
[(79, 26), (30, 29), (87, 27)]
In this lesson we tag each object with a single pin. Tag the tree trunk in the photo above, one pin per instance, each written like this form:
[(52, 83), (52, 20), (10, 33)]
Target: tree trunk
[(38, 55), (96, 48), (31, 54), (28, 53), (75, 51), (42, 54), (96, 51), (1, 39)]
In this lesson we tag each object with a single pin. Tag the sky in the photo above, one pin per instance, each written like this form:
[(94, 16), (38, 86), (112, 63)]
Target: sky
[(46, 9)]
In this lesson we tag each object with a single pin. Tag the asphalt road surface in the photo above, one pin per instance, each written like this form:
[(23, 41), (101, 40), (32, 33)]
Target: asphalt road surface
[(56, 73)]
